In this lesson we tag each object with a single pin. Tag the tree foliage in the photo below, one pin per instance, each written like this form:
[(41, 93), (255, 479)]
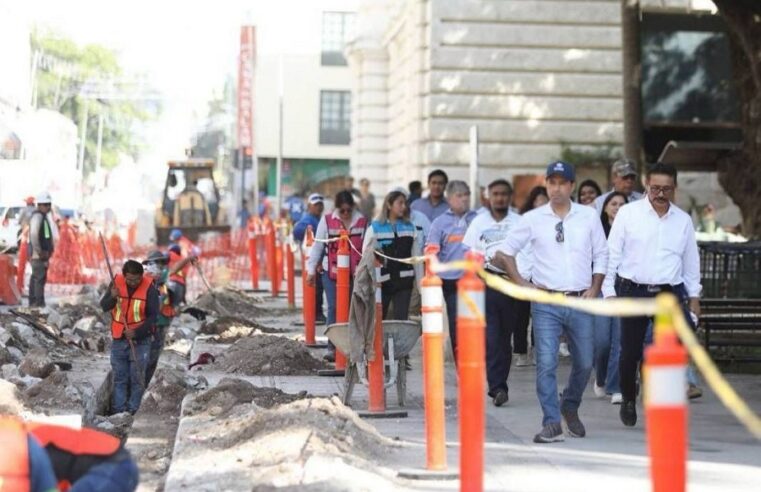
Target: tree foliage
[(67, 73)]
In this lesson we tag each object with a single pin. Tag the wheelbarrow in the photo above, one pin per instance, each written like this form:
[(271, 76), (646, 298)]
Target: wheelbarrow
[(400, 338)]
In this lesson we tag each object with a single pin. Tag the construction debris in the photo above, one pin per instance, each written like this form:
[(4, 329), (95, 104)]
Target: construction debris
[(269, 355), (230, 392), (167, 389), (55, 392), (117, 425), (231, 328), (37, 364), (10, 399), (224, 301)]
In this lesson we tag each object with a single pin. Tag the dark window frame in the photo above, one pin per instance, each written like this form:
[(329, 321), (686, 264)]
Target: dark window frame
[(335, 117)]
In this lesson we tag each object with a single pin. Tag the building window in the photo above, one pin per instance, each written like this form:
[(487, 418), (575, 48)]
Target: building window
[(335, 117), (337, 28)]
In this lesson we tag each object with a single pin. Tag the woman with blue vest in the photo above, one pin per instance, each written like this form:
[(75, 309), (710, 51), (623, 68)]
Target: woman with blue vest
[(395, 236)]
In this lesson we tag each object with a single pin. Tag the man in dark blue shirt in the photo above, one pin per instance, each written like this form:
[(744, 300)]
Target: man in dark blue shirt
[(315, 208)]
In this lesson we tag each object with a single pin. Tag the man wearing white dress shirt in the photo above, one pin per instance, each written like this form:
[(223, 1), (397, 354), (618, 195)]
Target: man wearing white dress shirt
[(570, 257), (652, 249)]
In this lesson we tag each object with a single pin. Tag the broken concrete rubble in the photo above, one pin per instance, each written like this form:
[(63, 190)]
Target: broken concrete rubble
[(230, 392), (117, 424), (37, 363)]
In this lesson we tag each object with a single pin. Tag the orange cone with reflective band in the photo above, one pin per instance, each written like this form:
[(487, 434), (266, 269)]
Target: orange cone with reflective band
[(343, 289), (271, 251), (666, 403), (433, 365), (376, 380), (252, 256), (471, 364), (22, 258), (308, 290)]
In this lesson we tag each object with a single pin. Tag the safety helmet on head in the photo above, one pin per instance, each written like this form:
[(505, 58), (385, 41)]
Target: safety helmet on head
[(155, 257), (175, 234), (43, 197)]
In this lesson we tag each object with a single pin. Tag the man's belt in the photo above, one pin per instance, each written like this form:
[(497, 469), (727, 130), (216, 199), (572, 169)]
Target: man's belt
[(625, 282), (569, 293)]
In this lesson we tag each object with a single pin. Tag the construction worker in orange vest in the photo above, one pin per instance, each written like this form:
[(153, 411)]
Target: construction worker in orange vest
[(47, 458), (179, 266), (133, 301)]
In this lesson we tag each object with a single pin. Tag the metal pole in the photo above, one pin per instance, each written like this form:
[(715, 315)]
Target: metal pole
[(100, 141), (630, 42), (83, 137), (254, 153), (279, 170), (475, 194)]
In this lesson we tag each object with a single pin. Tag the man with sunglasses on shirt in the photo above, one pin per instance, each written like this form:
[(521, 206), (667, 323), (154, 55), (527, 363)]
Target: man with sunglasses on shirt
[(570, 258), (652, 250)]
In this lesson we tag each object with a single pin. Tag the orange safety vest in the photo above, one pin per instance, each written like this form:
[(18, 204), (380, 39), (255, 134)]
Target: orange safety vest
[(129, 309), (14, 467), (167, 310), (181, 275)]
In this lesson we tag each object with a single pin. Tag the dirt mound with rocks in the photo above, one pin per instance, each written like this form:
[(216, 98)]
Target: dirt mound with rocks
[(167, 389), (269, 355), (230, 392), (55, 391), (229, 301), (231, 328)]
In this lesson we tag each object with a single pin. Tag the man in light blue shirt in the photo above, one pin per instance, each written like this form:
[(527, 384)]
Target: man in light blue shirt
[(434, 204), (447, 232)]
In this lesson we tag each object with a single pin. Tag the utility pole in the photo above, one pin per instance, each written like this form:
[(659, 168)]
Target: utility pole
[(279, 170)]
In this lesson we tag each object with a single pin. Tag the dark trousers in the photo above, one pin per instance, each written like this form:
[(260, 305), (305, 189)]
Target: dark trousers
[(37, 283), (520, 334), (500, 323), (633, 330), (401, 298), (157, 345), (318, 292), (449, 288)]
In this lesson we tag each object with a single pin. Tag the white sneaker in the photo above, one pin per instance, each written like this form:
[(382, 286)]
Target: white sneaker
[(522, 360), (616, 399), (599, 390), (563, 350)]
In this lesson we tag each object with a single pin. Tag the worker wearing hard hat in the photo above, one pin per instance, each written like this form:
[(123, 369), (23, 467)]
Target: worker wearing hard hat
[(42, 237)]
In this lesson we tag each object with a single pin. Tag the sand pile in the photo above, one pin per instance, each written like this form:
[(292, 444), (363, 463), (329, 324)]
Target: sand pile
[(269, 355), (229, 302)]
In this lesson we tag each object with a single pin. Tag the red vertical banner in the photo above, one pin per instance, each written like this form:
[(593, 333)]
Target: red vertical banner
[(246, 89)]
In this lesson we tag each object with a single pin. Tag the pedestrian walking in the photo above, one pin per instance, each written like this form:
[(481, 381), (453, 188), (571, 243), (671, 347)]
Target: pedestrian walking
[(652, 250), (367, 199), (415, 189), (42, 239), (608, 328), (447, 232), (434, 204), (623, 174), (133, 302), (315, 209), (346, 217), (536, 198), (588, 192), (484, 235), (394, 235), (569, 258)]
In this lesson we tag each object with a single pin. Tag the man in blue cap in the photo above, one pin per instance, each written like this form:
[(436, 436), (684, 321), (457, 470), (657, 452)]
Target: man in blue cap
[(570, 258)]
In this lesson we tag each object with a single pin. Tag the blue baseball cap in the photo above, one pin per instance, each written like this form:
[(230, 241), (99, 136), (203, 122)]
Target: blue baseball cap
[(175, 234), (562, 169)]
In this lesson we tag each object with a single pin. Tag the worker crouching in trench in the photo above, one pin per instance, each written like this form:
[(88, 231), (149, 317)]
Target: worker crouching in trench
[(133, 302)]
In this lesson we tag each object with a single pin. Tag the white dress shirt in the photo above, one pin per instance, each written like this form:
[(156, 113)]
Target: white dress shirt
[(485, 236), (562, 266), (652, 250)]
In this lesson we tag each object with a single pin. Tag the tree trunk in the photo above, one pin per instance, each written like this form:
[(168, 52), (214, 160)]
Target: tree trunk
[(630, 51), (740, 173)]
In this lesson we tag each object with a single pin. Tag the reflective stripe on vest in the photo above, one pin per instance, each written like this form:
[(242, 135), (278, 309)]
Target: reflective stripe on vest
[(395, 240), (132, 307), (14, 467)]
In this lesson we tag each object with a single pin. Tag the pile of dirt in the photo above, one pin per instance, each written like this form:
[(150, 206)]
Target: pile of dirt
[(229, 301), (230, 392), (231, 328), (167, 389), (55, 391), (269, 355)]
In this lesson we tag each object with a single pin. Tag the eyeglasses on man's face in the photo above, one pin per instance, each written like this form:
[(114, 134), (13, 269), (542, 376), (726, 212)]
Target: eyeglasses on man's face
[(657, 190), (559, 236)]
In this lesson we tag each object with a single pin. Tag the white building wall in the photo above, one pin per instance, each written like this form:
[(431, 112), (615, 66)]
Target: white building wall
[(299, 47)]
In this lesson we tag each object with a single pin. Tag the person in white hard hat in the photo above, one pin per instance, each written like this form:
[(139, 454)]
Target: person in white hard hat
[(42, 244)]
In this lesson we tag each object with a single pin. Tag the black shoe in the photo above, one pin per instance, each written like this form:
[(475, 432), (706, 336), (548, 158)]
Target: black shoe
[(628, 413), (407, 365), (500, 398), (329, 357), (573, 423), (320, 320)]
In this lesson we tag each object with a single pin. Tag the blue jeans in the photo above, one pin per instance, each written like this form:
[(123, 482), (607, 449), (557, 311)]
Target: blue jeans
[(119, 476), (607, 352), (549, 323), (128, 379), (330, 292)]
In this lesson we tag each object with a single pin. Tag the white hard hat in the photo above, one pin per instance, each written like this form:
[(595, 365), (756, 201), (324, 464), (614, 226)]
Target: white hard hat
[(43, 197)]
